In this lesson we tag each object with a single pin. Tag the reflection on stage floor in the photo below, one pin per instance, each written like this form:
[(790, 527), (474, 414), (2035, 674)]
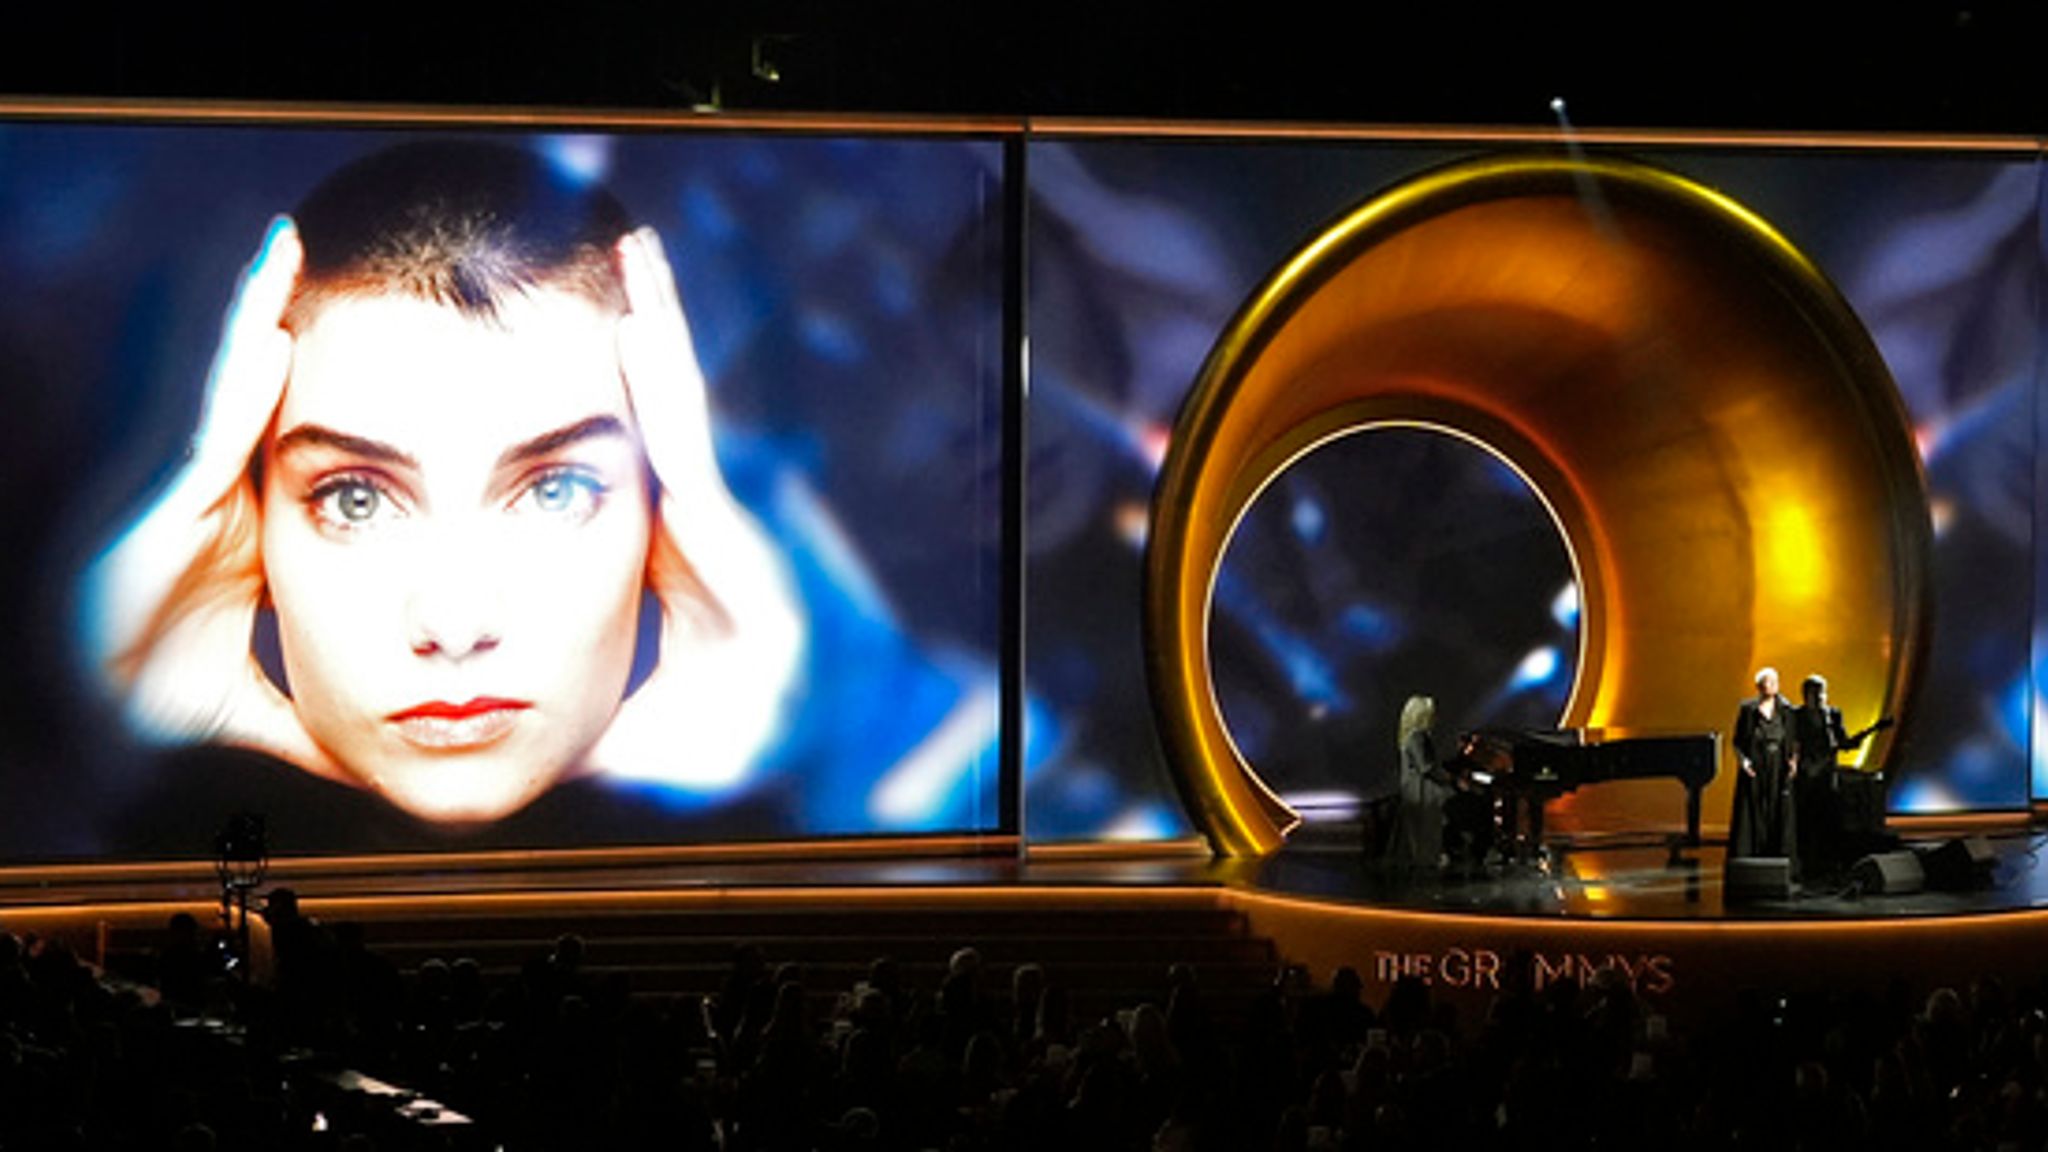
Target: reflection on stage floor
[(1633, 878)]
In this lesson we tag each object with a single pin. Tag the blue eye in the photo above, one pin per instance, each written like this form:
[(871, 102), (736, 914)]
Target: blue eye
[(350, 503), (565, 493)]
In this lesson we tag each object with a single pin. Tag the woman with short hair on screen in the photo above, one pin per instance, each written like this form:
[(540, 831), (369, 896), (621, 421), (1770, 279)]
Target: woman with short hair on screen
[(455, 434)]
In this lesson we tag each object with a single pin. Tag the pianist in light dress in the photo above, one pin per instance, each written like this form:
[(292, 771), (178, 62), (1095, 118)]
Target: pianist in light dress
[(1418, 837)]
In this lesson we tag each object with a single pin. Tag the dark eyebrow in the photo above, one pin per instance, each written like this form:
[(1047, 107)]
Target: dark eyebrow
[(548, 443), (318, 435)]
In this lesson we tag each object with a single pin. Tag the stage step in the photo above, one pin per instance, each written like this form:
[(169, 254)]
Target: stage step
[(1080, 919), (1107, 951)]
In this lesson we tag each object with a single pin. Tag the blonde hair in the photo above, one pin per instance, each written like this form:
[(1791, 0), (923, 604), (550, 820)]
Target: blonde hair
[(1418, 714), (227, 570)]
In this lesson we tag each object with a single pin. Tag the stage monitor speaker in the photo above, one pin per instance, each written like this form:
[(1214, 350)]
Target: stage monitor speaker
[(1887, 874), (1759, 878), (1960, 865)]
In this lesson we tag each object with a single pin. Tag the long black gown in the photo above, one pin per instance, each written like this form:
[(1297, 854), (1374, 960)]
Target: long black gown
[(1764, 821)]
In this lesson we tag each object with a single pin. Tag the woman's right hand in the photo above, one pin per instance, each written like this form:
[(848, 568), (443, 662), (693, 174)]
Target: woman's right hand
[(173, 602)]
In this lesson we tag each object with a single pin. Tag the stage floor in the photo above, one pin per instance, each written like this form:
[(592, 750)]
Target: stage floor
[(1595, 880), (1668, 925), (1620, 880)]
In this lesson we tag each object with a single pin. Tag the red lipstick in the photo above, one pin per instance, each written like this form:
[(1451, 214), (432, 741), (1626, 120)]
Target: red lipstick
[(439, 726), (443, 710)]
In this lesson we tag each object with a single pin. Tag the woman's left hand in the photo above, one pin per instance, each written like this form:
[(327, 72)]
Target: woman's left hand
[(732, 629)]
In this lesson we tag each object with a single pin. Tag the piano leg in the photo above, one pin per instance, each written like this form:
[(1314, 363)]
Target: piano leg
[(1691, 836)]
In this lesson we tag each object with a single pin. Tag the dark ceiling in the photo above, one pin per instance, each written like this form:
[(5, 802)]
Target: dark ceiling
[(1920, 67)]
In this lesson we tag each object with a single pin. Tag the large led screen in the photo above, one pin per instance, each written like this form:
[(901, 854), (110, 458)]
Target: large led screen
[(443, 490), (1398, 562)]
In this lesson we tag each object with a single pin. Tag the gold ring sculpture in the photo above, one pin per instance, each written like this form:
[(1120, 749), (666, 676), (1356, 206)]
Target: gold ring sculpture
[(1704, 416)]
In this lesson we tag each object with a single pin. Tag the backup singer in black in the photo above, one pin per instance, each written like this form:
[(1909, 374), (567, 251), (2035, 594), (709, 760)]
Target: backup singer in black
[(1825, 835)]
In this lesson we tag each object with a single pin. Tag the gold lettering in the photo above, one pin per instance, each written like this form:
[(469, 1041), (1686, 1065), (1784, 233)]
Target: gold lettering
[(1658, 977), (1652, 973), (1455, 967), (1485, 967), (1632, 971)]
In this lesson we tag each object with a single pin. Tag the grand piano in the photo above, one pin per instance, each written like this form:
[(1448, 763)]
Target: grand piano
[(1527, 768)]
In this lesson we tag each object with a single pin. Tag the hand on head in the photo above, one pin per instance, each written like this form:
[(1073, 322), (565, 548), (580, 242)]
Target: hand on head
[(175, 599), (731, 629)]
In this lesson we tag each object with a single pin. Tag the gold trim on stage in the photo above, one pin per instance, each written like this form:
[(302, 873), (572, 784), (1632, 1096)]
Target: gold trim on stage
[(1714, 432)]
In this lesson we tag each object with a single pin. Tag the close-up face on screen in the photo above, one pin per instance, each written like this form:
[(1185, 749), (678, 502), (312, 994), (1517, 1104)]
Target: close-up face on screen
[(426, 491)]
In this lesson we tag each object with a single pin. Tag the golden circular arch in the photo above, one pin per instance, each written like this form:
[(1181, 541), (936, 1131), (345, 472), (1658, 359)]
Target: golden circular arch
[(1700, 410)]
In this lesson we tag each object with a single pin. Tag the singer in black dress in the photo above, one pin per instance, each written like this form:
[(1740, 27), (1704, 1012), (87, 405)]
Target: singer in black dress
[(1764, 820)]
